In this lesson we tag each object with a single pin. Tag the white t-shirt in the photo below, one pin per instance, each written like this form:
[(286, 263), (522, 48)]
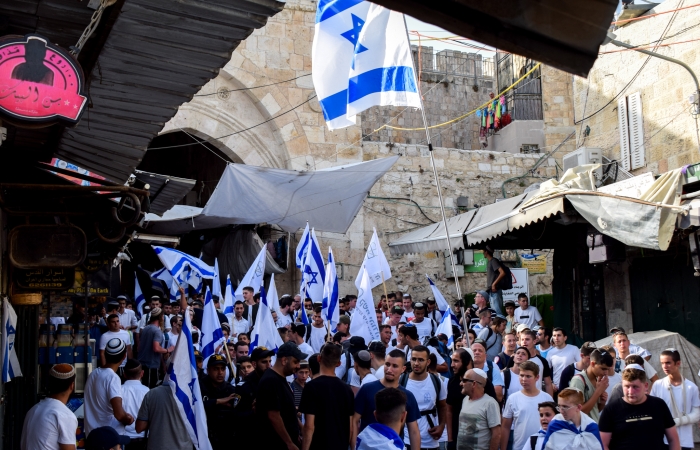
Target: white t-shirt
[(121, 334), (692, 400), (128, 318), (408, 317), (48, 424), (515, 385), (425, 394), (613, 380), (317, 338), (425, 328), (102, 386), (379, 373), (133, 392), (306, 348), (283, 320), (523, 410), (560, 358), (530, 317), (355, 378), (172, 339)]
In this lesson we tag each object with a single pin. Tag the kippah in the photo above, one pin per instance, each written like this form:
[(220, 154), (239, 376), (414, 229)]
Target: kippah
[(132, 364), (62, 371), (115, 346), (635, 366), (156, 311), (480, 372), (363, 355)]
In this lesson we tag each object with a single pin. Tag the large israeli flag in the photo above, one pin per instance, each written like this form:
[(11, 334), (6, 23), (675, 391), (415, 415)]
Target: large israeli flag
[(139, 298), (330, 311), (445, 328), (273, 300), (182, 380), (313, 273), (264, 332), (10, 363), (184, 267), (254, 276), (229, 300), (360, 58), (211, 336), (440, 301), (302, 246), (164, 275)]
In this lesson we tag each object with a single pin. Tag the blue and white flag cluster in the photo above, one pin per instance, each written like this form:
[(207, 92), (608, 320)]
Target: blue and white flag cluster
[(330, 310), (361, 58), (211, 336), (139, 298), (184, 268), (254, 276), (10, 363), (264, 332), (182, 380), (313, 273)]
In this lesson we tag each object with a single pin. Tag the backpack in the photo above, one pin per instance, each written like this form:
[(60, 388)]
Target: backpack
[(308, 334), (507, 375), (437, 385), (347, 366), (506, 282)]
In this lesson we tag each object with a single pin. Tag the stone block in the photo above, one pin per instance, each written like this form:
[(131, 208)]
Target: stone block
[(268, 44), (270, 104), (484, 167), (314, 134)]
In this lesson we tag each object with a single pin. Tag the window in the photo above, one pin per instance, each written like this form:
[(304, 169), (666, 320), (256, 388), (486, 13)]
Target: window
[(631, 126)]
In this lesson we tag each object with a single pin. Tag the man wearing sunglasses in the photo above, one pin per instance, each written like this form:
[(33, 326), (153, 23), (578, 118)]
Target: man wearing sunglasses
[(480, 417)]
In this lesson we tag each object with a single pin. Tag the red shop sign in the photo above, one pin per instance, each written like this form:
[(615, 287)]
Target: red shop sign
[(40, 83)]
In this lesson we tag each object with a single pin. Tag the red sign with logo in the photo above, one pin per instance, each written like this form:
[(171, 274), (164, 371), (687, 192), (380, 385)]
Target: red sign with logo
[(40, 83)]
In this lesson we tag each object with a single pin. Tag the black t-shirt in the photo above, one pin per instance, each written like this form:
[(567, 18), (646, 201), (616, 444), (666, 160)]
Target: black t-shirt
[(454, 402), (635, 427), (332, 404), (275, 394)]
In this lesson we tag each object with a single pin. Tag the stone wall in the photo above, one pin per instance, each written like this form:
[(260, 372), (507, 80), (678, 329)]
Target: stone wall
[(557, 105)]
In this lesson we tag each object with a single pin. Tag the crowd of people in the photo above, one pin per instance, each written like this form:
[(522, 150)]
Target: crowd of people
[(508, 382)]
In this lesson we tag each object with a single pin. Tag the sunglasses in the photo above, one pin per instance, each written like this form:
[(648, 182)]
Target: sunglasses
[(467, 380)]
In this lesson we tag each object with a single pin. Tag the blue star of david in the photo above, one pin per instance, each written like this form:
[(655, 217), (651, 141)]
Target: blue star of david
[(353, 35), (312, 276), (191, 386)]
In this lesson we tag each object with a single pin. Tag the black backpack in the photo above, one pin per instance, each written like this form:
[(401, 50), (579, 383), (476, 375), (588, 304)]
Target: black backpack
[(506, 282)]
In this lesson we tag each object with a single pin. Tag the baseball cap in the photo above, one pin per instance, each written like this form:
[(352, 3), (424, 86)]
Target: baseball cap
[(105, 438), (260, 353), (216, 360), (289, 348), (198, 354), (614, 330), (483, 294), (344, 319), (115, 346), (357, 343), (522, 327)]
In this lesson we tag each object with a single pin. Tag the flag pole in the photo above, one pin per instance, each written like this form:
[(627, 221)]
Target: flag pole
[(386, 297), (437, 182)]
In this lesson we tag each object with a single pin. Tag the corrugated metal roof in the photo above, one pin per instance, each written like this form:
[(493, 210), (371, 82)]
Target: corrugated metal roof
[(166, 191), (157, 56)]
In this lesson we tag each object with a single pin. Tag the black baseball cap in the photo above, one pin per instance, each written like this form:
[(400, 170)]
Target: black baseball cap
[(105, 438), (357, 343), (289, 348), (216, 360), (260, 353)]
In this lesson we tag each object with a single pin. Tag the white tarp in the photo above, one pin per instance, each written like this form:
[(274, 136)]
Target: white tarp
[(328, 199)]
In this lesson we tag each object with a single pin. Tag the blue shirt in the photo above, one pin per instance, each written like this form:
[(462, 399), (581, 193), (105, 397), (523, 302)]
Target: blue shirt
[(365, 406)]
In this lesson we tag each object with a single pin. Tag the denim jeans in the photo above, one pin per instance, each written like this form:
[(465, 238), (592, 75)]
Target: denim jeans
[(496, 301)]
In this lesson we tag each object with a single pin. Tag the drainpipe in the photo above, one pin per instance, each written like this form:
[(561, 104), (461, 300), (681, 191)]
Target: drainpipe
[(611, 39)]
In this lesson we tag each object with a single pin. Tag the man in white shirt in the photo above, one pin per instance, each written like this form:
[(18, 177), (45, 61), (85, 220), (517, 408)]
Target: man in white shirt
[(426, 327), (408, 313), (238, 323), (114, 332), (681, 396), (284, 315), (103, 391), (133, 392), (561, 355), (296, 334), (634, 349), (318, 331), (50, 425), (433, 312), (127, 317), (175, 329), (526, 314), (363, 371)]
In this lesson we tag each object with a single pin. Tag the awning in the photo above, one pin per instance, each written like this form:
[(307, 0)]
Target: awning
[(327, 199), (432, 237), (177, 212), (166, 191)]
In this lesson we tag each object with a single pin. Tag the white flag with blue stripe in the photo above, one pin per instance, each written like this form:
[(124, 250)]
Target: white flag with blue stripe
[(440, 301), (139, 298), (361, 58), (330, 310), (164, 275), (211, 336), (264, 332), (273, 300), (229, 300), (313, 273), (10, 363), (302, 246), (364, 318), (254, 276), (182, 380), (445, 328), (216, 284), (184, 267)]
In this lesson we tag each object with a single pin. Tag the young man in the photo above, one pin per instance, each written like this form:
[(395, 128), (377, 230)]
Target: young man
[(297, 334), (433, 312), (300, 378), (127, 317), (547, 411), (238, 323), (426, 327), (544, 336), (408, 314), (480, 417), (637, 420), (250, 308), (395, 318), (328, 406), (561, 355), (484, 321), (510, 343), (492, 335), (103, 391), (478, 349), (133, 392), (167, 315), (408, 339), (284, 315), (377, 351), (526, 314), (574, 369), (274, 408), (150, 348), (365, 405), (634, 349), (318, 331), (385, 334), (593, 382), (219, 399), (520, 407), (680, 394), (622, 345), (363, 371), (160, 416), (494, 274), (50, 424), (510, 318), (248, 390), (571, 428), (430, 392), (527, 340), (480, 304), (115, 332), (385, 434), (175, 329)]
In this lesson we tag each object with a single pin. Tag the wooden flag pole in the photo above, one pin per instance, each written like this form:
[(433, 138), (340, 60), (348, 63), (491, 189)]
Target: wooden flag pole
[(386, 297)]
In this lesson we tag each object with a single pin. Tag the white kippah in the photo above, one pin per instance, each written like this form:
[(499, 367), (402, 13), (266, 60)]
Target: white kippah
[(115, 346), (635, 366), (481, 373), (62, 371)]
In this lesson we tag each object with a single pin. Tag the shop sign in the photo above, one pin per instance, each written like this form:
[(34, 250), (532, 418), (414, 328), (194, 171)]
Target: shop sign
[(520, 284), (47, 279), (480, 263), (534, 263), (40, 83), (97, 273)]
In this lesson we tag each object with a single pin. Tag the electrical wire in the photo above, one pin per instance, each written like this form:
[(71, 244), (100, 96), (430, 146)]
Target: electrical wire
[(653, 15), (252, 87)]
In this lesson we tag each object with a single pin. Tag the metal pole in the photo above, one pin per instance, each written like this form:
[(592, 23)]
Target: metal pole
[(439, 190)]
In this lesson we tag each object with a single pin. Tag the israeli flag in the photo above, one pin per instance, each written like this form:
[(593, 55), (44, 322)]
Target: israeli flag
[(375, 263), (216, 284), (184, 267), (330, 311), (562, 434), (254, 276), (302, 246), (210, 335), (445, 328), (273, 299), (182, 380), (156, 285), (229, 300), (313, 273), (440, 301), (360, 58), (10, 363), (164, 275), (364, 319), (264, 332), (139, 298)]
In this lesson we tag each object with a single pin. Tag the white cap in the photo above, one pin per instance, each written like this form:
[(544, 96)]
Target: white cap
[(480, 372), (635, 366)]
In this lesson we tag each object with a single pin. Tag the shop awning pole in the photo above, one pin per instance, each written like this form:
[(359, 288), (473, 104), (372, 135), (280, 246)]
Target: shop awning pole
[(439, 192)]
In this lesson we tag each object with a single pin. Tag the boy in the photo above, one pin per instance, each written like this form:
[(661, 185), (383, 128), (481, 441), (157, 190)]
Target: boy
[(510, 317), (521, 405), (547, 412), (593, 382), (572, 428)]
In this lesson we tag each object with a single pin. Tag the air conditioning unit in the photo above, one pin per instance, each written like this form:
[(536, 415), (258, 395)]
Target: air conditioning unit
[(583, 156)]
